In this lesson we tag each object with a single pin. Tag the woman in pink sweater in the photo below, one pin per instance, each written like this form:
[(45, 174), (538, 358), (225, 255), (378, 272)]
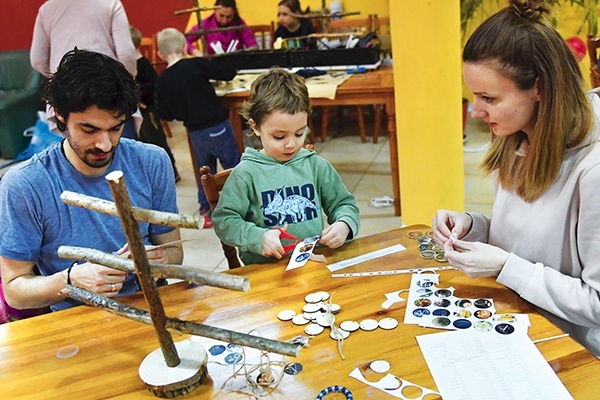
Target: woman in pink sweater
[(225, 16)]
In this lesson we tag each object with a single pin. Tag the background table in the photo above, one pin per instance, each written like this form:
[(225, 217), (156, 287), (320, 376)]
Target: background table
[(111, 348), (371, 88)]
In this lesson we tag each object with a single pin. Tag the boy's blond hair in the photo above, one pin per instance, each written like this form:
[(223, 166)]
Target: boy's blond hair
[(170, 41), (276, 90), (136, 36)]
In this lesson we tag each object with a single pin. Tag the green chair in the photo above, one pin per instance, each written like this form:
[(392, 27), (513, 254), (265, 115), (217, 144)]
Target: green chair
[(20, 99)]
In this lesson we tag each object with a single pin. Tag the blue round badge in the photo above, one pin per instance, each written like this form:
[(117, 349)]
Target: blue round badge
[(234, 358), (302, 257), (216, 349)]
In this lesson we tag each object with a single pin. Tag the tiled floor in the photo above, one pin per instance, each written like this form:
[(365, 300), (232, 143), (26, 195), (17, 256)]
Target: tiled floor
[(364, 168)]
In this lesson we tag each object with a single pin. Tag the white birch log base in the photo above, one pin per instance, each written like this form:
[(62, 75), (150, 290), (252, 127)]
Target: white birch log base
[(169, 382)]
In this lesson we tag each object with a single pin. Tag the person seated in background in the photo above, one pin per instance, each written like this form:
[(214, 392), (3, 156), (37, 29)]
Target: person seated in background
[(151, 130), (284, 183), (185, 93), (92, 96), (290, 26), (225, 16)]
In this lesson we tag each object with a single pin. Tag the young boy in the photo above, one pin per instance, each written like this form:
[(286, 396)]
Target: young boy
[(151, 130), (283, 183), (185, 93)]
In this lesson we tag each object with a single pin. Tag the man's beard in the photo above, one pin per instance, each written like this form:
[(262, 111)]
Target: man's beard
[(84, 155)]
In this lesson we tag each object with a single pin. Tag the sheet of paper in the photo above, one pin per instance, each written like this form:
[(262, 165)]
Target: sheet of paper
[(468, 365), (325, 86)]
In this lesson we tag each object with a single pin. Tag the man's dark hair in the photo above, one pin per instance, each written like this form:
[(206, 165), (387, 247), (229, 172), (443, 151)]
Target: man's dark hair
[(87, 78)]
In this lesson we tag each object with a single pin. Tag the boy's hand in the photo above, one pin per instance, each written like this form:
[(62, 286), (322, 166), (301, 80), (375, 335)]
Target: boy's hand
[(272, 244), (335, 234)]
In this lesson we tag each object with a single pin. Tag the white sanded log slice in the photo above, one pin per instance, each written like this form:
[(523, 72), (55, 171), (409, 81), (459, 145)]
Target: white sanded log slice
[(169, 382)]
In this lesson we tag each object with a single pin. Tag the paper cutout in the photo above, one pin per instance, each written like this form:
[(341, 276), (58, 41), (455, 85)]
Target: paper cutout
[(392, 298), (392, 385), (302, 252)]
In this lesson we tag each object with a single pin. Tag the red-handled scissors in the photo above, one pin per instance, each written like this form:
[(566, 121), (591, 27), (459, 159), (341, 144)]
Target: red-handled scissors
[(287, 236)]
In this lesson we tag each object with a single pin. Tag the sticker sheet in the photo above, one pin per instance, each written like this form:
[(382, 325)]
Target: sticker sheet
[(433, 307)]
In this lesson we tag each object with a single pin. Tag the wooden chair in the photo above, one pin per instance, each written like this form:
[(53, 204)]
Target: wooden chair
[(264, 35), (359, 26), (213, 184), (593, 43)]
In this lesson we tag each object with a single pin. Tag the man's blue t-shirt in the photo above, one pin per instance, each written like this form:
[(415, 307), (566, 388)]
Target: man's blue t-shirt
[(35, 222)]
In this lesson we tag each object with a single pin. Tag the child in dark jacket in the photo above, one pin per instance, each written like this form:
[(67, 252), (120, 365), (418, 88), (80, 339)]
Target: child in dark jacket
[(185, 93)]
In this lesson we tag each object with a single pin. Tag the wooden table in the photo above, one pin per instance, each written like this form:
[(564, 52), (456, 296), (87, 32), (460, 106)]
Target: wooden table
[(111, 348), (371, 88)]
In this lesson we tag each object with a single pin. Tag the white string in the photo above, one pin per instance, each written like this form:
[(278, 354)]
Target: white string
[(329, 317)]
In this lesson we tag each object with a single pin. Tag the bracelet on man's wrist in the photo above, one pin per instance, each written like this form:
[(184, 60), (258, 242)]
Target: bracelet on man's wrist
[(69, 273)]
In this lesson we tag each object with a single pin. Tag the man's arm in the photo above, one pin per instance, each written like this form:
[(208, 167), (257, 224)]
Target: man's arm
[(172, 254), (24, 289)]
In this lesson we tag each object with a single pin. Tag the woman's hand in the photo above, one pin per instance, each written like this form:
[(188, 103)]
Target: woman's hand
[(98, 278), (450, 224), (475, 259)]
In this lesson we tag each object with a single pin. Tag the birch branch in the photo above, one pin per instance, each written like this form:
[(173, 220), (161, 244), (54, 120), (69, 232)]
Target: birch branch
[(225, 335), (140, 214), (116, 181), (186, 273)]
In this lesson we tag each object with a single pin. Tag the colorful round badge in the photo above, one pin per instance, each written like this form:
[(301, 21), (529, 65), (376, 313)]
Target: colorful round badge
[(425, 283), (422, 302), (505, 318), (463, 303), (442, 303), (233, 358), (216, 349), (424, 292), (463, 313), (483, 326), (302, 257), (504, 329), (462, 323), (442, 322), (292, 368), (483, 314), (419, 312), (442, 293), (482, 303), (441, 312), (413, 234)]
